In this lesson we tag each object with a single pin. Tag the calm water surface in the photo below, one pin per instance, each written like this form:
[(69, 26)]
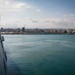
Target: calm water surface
[(40, 54)]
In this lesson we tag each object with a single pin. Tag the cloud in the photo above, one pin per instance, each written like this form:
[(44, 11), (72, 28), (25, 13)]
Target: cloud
[(8, 7), (7, 2), (34, 21), (22, 5), (65, 22), (38, 10)]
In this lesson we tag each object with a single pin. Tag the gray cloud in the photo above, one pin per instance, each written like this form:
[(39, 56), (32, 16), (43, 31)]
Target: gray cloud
[(34, 21)]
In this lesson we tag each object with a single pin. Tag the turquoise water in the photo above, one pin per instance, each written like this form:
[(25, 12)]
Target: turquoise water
[(40, 54)]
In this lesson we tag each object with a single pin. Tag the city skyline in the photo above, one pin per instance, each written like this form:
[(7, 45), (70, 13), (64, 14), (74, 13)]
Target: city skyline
[(37, 13)]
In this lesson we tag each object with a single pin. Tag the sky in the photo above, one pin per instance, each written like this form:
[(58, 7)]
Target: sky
[(37, 13)]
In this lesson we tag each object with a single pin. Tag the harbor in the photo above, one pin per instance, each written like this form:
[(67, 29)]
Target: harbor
[(40, 54), (37, 37)]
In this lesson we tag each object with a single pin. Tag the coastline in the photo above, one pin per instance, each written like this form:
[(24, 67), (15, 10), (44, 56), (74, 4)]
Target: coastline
[(13, 33), (21, 31)]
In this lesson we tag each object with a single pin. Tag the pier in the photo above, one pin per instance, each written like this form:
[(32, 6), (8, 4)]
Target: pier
[(3, 58)]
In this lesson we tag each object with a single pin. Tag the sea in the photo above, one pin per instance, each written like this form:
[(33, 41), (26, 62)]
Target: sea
[(40, 54)]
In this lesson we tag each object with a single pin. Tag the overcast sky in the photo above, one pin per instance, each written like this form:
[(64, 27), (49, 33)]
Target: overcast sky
[(37, 13)]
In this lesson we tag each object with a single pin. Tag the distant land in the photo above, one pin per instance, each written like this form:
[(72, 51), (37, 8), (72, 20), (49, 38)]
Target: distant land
[(23, 30)]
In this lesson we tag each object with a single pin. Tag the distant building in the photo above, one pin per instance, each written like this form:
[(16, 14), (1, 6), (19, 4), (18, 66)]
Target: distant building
[(2, 30), (23, 29)]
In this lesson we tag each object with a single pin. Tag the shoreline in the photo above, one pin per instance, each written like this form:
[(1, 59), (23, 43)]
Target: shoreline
[(38, 33)]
